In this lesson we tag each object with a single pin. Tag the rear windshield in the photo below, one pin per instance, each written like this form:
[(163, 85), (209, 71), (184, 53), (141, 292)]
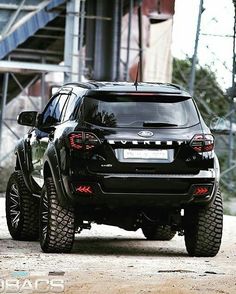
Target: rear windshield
[(139, 112)]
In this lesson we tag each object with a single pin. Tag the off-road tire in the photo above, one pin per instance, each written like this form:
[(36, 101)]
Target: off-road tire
[(203, 228), (159, 233), (57, 225), (22, 209)]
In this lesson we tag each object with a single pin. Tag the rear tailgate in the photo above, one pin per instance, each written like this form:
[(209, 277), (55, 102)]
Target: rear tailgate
[(167, 151), (142, 133)]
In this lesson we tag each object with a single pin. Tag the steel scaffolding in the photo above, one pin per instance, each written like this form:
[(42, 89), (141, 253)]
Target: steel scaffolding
[(12, 66)]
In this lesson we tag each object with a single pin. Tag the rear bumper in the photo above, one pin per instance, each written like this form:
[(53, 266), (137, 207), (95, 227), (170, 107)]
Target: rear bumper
[(146, 190)]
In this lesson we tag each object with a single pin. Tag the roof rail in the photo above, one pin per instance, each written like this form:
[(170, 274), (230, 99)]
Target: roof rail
[(86, 85), (97, 84), (176, 86)]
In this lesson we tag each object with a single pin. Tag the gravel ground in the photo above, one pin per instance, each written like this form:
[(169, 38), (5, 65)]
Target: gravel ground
[(110, 260)]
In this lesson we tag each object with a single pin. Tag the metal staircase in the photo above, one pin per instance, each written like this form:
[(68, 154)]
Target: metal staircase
[(31, 41), (35, 37)]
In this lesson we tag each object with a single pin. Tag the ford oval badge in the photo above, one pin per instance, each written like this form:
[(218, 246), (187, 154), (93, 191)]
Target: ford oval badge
[(145, 134)]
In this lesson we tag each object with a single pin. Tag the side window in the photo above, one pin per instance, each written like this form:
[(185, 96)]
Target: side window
[(68, 111), (73, 103), (59, 107), (49, 110), (52, 113), (80, 94)]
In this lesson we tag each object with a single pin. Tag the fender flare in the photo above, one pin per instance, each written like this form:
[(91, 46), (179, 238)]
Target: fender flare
[(217, 171), (217, 178), (23, 162), (51, 167)]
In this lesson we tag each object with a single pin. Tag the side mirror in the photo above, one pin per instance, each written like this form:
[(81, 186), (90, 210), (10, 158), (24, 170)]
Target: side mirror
[(27, 118)]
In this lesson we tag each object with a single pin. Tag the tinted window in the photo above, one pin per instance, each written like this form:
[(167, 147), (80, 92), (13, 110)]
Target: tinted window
[(140, 111), (59, 107), (48, 112), (69, 107), (52, 113)]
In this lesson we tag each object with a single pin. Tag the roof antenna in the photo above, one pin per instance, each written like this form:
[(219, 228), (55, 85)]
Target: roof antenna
[(136, 79)]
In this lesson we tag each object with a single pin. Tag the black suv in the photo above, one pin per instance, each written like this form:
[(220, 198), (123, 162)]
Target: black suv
[(133, 156)]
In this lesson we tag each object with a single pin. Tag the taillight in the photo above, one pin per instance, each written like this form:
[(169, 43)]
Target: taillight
[(83, 141), (76, 141), (202, 143)]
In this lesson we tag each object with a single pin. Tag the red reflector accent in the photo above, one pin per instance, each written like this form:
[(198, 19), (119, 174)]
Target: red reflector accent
[(201, 191), (84, 189)]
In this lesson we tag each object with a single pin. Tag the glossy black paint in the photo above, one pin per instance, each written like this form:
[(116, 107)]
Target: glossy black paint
[(117, 183)]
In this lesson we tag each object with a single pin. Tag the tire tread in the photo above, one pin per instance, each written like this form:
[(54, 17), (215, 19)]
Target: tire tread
[(61, 226), (28, 229), (203, 228)]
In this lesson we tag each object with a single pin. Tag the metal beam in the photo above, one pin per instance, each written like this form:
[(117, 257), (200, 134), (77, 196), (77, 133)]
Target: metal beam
[(55, 29), (194, 58), (131, 7), (36, 51), (30, 67), (140, 44), (43, 89), (117, 23), (71, 41), (43, 36), (12, 19), (90, 38), (232, 107), (36, 58), (81, 40), (3, 104), (15, 7)]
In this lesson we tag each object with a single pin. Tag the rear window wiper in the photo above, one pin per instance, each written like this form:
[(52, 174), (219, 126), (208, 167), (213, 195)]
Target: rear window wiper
[(158, 124)]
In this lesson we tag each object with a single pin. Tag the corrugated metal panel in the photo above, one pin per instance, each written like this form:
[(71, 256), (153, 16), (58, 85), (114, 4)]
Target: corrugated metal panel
[(29, 25)]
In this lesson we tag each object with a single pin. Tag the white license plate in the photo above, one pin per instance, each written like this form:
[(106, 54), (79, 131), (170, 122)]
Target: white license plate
[(145, 154)]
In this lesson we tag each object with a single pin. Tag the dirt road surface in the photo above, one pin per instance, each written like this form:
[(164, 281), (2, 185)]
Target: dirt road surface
[(110, 260)]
